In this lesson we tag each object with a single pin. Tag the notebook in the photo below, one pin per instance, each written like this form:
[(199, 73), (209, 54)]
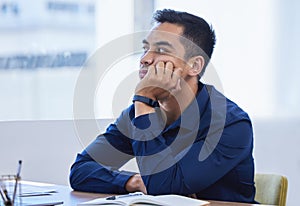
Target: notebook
[(36, 194), (38, 203), (141, 199)]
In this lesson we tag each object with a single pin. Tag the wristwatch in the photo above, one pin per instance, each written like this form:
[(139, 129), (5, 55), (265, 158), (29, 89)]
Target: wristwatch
[(146, 100)]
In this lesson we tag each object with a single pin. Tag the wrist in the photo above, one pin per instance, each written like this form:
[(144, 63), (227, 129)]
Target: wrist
[(146, 100), (146, 93)]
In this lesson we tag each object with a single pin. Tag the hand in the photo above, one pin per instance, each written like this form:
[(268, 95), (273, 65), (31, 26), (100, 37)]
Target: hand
[(193, 196), (160, 80), (135, 184)]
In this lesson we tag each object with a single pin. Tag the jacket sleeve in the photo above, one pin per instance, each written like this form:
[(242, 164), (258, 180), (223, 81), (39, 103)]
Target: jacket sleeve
[(96, 169)]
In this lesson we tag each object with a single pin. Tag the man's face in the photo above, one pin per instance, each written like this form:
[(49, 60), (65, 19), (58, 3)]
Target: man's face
[(163, 45)]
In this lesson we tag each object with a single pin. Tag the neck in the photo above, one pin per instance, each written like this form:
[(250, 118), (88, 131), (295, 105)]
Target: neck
[(175, 104)]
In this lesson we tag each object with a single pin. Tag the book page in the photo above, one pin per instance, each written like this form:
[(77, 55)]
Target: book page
[(117, 200), (102, 201), (173, 200), (159, 200), (126, 201)]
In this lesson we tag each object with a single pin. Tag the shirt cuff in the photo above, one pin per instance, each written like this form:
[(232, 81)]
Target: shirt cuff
[(148, 126), (146, 120)]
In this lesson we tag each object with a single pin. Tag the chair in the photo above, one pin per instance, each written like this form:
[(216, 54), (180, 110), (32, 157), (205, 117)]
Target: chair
[(271, 189)]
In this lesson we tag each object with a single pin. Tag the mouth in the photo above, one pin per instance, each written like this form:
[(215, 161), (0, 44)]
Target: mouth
[(142, 73)]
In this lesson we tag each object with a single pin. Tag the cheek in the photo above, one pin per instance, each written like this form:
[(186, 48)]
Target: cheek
[(181, 64), (185, 71), (163, 58), (175, 61)]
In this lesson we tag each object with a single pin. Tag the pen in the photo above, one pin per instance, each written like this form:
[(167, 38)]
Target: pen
[(3, 195), (19, 168), (123, 196), (17, 179), (35, 194), (6, 199)]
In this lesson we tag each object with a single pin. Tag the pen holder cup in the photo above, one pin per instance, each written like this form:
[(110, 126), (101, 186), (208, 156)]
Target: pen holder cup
[(8, 183)]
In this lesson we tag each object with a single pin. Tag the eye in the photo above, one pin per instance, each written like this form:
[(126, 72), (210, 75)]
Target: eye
[(161, 50), (145, 49)]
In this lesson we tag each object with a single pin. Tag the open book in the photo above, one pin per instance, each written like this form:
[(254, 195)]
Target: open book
[(139, 198)]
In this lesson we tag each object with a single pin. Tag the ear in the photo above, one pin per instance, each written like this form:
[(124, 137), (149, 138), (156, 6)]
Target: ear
[(196, 65)]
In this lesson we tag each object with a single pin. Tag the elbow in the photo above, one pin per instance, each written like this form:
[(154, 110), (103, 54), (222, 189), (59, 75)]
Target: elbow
[(75, 179), (72, 180), (75, 186)]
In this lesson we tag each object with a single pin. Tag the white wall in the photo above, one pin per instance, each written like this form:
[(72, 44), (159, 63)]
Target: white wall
[(47, 148), (276, 150)]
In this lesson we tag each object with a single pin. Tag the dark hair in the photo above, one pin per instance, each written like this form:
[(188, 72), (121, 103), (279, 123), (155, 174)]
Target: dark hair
[(195, 29)]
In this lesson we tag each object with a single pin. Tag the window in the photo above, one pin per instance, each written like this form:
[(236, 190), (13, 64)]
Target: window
[(44, 45)]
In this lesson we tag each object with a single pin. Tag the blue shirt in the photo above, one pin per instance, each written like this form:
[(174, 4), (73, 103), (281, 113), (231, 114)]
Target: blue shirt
[(207, 152)]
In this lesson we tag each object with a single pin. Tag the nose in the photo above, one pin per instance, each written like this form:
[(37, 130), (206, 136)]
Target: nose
[(147, 59)]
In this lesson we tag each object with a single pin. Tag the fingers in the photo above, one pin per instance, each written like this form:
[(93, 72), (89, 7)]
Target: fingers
[(151, 71), (176, 77), (169, 69), (178, 86), (161, 80), (177, 73), (176, 89), (193, 196), (168, 73), (160, 68), (144, 190)]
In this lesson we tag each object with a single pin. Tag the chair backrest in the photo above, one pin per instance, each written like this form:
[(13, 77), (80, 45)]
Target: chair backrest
[(271, 189)]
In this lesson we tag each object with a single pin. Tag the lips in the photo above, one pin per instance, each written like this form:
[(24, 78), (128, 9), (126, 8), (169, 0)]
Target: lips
[(142, 73)]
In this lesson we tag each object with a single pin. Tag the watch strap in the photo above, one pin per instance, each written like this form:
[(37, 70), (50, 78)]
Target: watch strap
[(146, 100)]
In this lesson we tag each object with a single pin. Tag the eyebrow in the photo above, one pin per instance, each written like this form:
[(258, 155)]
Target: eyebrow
[(145, 41), (160, 43)]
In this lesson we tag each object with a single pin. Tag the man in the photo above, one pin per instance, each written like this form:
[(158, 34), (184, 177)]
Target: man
[(187, 137)]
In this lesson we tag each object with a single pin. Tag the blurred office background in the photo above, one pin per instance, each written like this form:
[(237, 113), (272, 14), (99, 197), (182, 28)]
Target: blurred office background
[(44, 45)]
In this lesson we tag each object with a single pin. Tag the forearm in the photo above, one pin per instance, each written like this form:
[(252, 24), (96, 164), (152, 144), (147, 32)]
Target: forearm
[(90, 176), (113, 149)]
